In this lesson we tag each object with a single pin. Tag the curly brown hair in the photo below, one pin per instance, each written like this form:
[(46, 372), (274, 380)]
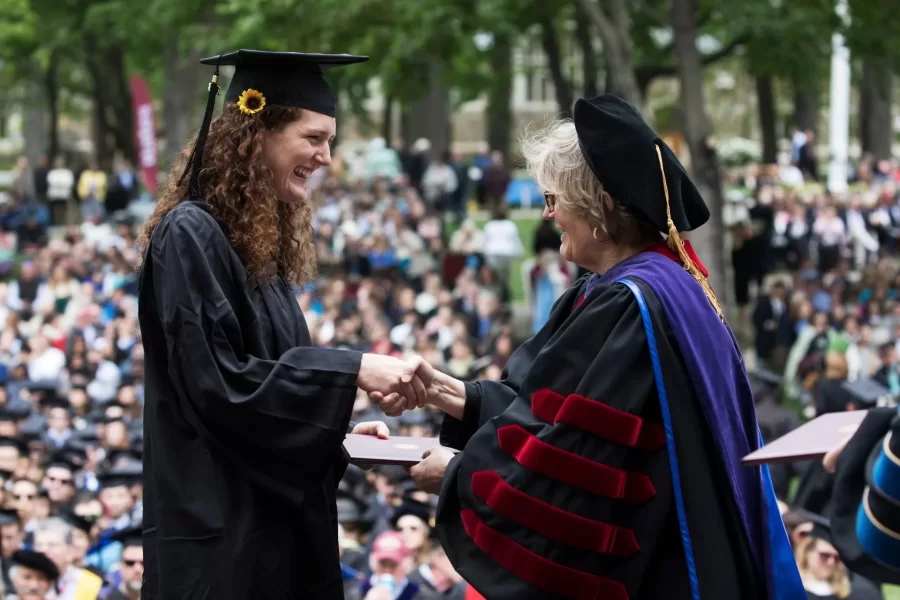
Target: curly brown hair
[(240, 194)]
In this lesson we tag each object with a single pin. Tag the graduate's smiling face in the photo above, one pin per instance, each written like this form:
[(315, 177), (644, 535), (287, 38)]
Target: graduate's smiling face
[(295, 151)]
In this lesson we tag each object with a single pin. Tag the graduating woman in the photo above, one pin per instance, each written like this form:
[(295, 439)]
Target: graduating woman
[(606, 463), (244, 420)]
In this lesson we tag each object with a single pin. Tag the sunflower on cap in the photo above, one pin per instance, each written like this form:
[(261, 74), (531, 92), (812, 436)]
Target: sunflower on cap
[(251, 101)]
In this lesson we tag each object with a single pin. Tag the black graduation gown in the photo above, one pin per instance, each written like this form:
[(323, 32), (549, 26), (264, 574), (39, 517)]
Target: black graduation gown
[(549, 515), (243, 427)]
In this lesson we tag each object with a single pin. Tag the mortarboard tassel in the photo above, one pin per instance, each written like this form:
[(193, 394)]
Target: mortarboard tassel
[(195, 160), (677, 245)]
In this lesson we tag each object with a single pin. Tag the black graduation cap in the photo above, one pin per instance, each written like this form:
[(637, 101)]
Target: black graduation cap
[(867, 393), (864, 518), (480, 365), (53, 400), (10, 442), (127, 455), (351, 509), (18, 412), (76, 521), (126, 475), (131, 536), (393, 473), (47, 385), (35, 561), (821, 528), (8, 417), (63, 459), (422, 510), (97, 416), (621, 150), (9, 517), (261, 78), (87, 436), (137, 446)]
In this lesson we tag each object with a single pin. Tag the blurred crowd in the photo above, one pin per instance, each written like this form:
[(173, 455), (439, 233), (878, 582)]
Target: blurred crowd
[(817, 283), (404, 268)]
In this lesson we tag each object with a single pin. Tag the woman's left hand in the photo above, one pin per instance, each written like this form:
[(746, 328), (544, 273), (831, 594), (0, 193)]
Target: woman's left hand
[(376, 428), (429, 474)]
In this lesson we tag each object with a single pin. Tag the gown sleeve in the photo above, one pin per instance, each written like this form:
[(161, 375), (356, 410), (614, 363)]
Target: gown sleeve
[(487, 399), (484, 401), (277, 420)]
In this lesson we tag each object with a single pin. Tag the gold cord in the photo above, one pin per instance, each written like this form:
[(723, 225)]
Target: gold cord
[(677, 245)]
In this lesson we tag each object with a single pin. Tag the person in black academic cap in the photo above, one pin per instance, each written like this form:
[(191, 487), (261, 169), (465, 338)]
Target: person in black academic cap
[(356, 527), (9, 423), (59, 479), (606, 462), (131, 568), (824, 576), (413, 519), (116, 495), (32, 575), (59, 423), (244, 418), (11, 532), (81, 535), (11, 452)]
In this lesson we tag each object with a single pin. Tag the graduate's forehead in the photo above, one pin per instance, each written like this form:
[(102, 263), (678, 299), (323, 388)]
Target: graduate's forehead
[(316, 124)]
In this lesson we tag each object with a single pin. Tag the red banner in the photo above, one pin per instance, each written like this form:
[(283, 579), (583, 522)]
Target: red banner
[(144, 132)]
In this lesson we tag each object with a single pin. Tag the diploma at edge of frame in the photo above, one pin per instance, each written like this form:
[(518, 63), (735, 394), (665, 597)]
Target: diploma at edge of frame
[(812, 440), (367, 451)]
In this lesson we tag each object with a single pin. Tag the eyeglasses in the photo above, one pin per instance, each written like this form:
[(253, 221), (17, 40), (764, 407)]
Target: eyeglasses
[(829, 556), (131, 563), (550, 201)]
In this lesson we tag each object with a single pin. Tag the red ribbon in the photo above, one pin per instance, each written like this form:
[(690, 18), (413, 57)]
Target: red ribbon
[(663, 248)]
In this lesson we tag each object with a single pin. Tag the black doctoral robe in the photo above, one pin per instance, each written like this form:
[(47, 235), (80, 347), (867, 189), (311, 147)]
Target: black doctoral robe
[(243, 427), (557, 495)]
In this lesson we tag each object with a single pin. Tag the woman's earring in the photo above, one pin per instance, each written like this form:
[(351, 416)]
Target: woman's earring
[(595, 233)]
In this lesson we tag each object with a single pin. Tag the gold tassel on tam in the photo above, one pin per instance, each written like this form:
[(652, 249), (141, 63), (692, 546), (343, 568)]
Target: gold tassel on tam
[(677, 245)]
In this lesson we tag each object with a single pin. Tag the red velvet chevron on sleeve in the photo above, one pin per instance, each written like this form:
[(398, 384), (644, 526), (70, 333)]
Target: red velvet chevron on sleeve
[(572, 469), (600, 419), (550, 521), (537, 570)]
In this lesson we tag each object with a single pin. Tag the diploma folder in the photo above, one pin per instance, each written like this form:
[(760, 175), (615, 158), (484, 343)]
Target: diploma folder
[(813, 439), (370, 450)]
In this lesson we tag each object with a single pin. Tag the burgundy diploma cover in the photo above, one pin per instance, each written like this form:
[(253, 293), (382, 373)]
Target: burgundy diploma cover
[(369, 450), (811, 440)]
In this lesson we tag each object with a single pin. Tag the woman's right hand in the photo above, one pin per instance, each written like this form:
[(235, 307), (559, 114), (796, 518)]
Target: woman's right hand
[(394, 385), (444, 392)]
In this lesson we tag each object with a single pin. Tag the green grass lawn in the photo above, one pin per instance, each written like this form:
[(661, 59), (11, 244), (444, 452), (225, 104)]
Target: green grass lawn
[(891, 592)]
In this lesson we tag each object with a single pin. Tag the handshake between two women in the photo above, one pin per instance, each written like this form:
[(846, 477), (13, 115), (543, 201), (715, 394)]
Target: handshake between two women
[(396, 385)]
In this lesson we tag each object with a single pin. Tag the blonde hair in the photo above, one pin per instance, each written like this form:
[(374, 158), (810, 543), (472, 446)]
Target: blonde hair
[(553, 157), (840, 583)]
